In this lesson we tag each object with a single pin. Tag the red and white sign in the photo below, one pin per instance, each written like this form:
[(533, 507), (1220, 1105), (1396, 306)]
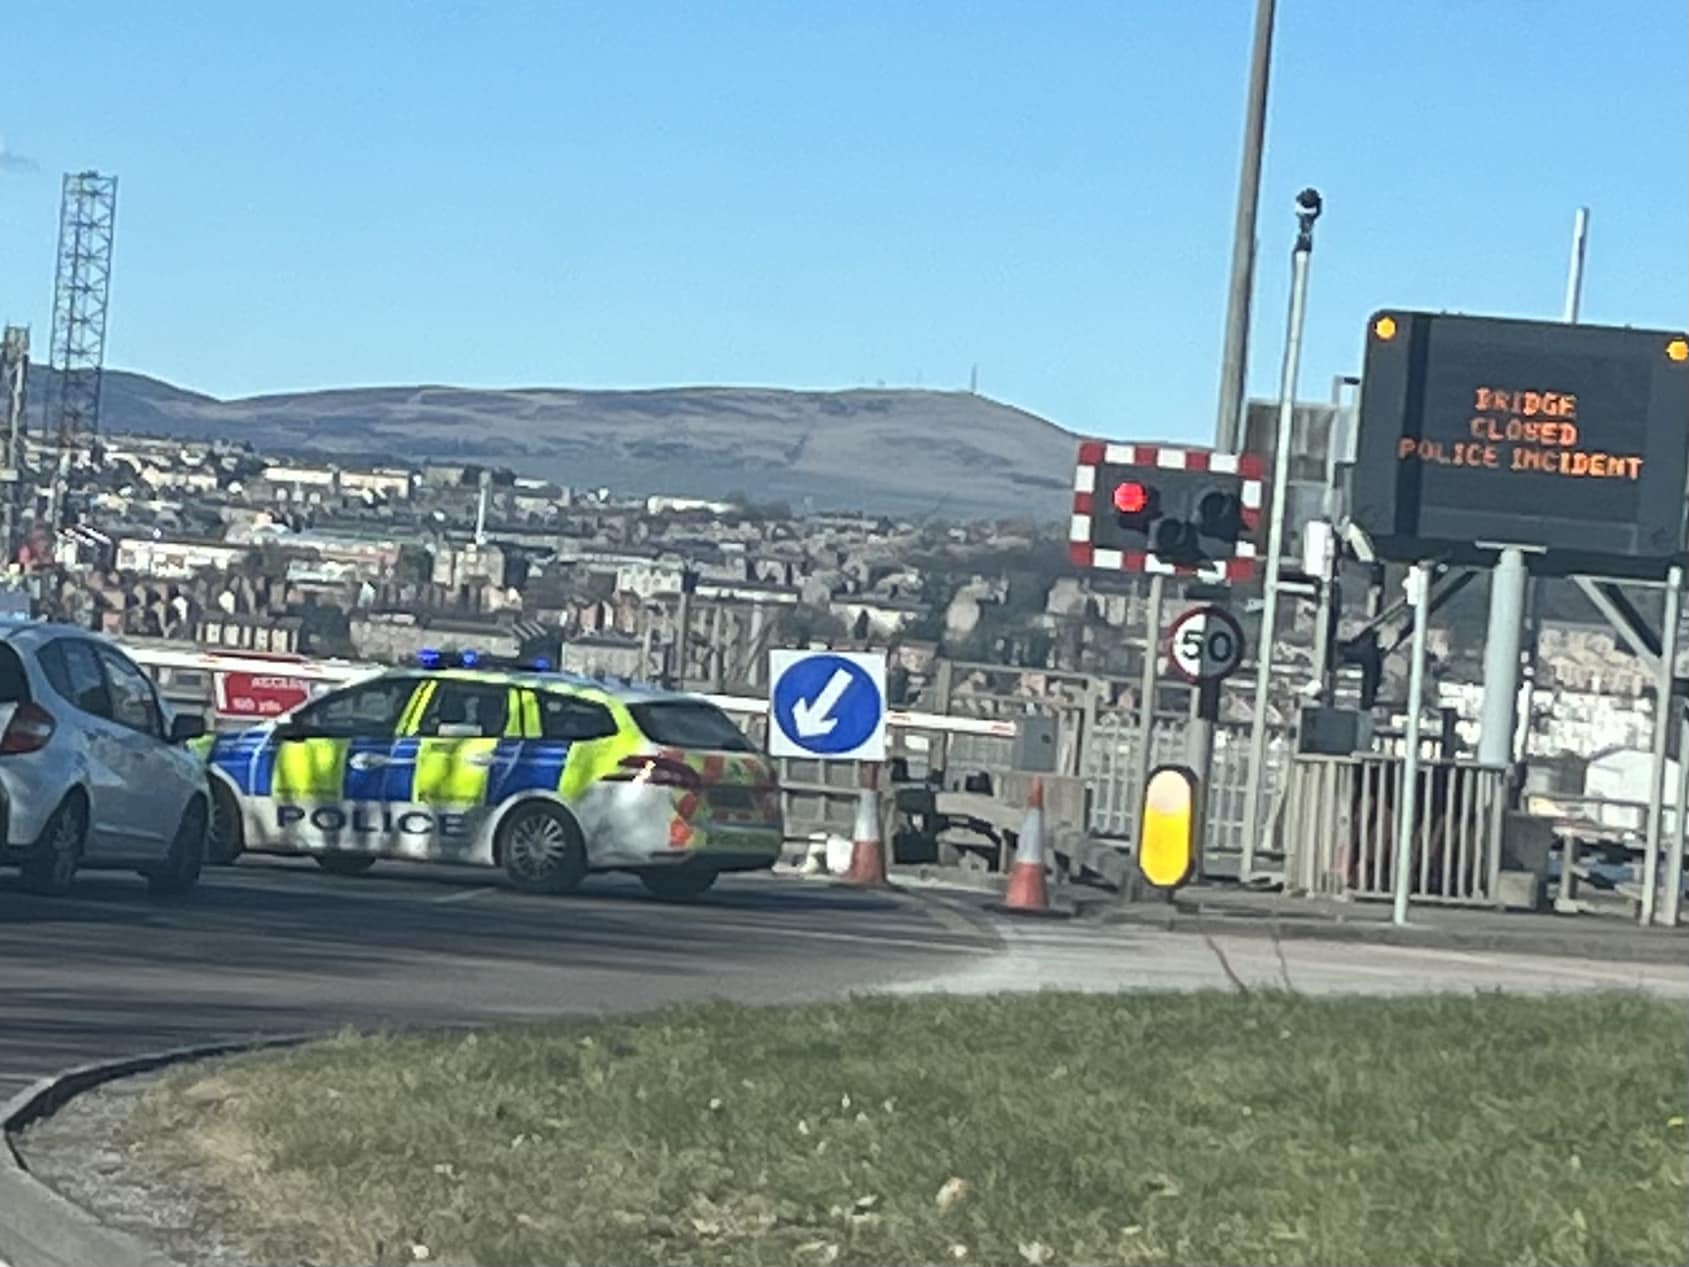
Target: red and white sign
[(1205, 644), (258, 695)]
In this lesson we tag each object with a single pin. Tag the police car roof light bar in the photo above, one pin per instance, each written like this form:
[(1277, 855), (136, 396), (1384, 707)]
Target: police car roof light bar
[(431, 658)]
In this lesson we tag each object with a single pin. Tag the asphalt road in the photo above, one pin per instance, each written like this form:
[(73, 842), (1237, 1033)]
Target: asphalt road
[(276, 946)]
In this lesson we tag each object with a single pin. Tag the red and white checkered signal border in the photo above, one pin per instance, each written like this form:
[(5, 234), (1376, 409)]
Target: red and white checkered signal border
[(1095, 453)]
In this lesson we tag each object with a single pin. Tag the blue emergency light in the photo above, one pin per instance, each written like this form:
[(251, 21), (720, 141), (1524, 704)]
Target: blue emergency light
[(431, 658)]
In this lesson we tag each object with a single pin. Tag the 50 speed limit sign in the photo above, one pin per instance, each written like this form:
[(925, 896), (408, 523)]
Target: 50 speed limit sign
[(1205, 644)]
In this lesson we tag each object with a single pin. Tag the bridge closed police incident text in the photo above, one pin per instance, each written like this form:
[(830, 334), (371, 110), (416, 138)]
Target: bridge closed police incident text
[(1528, 431)]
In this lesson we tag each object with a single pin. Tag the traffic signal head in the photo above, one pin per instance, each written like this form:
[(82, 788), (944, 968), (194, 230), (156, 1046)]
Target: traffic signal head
[(1187, 517), (1219, 514), (1131, 497), (1187, 510)]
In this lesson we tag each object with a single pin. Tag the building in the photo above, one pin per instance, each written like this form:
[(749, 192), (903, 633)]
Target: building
[(176, 559), (391, 483), (603, 656), (398, 637), (261, 633)]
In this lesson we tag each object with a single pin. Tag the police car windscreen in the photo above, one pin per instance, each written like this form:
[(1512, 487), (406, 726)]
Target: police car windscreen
[(690, 724)]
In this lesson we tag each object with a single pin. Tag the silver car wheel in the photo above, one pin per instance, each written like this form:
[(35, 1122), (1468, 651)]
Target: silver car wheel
[(538, 844)]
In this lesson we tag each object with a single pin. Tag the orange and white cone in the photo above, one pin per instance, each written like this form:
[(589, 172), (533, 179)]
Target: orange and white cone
[(868, 851), (1028, 890)]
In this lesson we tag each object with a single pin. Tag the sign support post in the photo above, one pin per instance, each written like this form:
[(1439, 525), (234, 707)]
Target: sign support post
[(1205, 647), (1503, 640), (1673, 898), (1146, 697), (1200, 755), (1503, 644), (1307, 211), (1664, 708), (1205, 714), (1419, 594)]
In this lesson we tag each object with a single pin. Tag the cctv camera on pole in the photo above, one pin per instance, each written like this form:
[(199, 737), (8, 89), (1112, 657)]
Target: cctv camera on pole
[(1308, 207)]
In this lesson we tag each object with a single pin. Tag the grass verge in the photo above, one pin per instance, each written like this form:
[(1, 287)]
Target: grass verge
[(1195, 1128)]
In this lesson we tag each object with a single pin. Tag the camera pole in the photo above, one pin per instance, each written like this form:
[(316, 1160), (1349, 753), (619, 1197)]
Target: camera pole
[(1308, 207)]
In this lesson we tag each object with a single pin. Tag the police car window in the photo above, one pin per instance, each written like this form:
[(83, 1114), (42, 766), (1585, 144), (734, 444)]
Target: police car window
[(133, 702), (371, 708), (73, 670), (564, 717), (688, 723), (463, 710)]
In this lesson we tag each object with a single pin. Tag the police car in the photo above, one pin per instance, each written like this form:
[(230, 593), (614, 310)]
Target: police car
[(546, 775)]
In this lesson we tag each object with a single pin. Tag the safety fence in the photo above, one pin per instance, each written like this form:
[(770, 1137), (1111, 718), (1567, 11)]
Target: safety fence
[(1339, 823)]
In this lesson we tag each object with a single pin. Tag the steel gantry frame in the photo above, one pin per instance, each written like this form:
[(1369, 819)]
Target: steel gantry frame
[(81, 297)]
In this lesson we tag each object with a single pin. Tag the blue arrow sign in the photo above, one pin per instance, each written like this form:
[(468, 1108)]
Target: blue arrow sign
[(827, 705)]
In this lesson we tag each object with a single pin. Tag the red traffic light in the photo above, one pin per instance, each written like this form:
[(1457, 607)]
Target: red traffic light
[(1131, 497)]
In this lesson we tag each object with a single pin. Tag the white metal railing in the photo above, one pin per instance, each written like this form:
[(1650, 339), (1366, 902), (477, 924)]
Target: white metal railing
[(335, 672), (1339, 822)]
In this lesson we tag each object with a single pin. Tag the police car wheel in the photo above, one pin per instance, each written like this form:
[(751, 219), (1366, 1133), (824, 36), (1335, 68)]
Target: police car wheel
[(542, 850), (345, 863), (179, 872), (224, 841), (677, 884), (59, 852)]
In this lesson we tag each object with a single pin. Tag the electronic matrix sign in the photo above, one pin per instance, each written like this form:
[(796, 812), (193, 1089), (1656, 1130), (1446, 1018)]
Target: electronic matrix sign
[(1569, 440)]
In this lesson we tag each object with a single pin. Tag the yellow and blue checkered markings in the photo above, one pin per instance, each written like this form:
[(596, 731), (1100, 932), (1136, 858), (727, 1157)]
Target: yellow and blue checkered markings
[(526, 765), (431, 771), (248, 757)]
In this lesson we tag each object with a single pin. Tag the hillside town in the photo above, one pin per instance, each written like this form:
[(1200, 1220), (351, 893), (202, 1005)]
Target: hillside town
[(213, 545)]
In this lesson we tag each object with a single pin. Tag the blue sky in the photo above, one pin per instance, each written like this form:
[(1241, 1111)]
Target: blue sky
[(834, 193)]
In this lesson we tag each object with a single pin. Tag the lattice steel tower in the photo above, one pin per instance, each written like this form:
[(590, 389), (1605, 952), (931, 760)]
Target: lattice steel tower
[(14, 373), (81, 291), (15, 488)]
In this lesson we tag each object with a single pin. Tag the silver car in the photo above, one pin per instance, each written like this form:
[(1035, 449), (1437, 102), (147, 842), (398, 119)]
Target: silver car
[(94, 770)]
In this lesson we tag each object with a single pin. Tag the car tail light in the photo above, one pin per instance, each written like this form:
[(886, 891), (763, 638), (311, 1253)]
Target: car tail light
[(659, 772), (28, 731)]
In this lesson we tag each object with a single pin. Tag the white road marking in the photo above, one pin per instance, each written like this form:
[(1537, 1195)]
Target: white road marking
[(463, 895)]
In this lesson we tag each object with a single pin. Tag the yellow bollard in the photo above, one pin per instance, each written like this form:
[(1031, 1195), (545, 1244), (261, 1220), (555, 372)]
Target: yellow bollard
[(1167, 827)]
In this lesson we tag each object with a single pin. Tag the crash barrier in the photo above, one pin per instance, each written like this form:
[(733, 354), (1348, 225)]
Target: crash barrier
[(1595, 849), (1338, 823)]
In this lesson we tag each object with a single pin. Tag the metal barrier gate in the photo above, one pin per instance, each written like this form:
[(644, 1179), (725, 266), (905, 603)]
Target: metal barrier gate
[(1339, 821), (1110, 767)]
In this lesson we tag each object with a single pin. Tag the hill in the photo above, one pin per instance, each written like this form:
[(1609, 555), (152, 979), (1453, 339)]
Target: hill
[(889, 450)]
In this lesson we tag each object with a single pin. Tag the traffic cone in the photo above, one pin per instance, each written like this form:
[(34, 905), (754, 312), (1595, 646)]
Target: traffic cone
[(1028, 890), (868, 852)]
